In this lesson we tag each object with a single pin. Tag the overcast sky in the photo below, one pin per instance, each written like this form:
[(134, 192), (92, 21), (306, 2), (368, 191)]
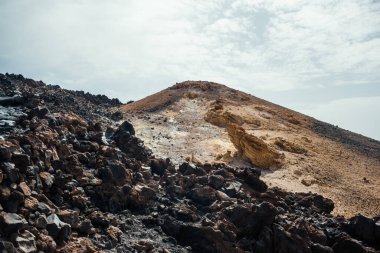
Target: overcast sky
[(321, 58)]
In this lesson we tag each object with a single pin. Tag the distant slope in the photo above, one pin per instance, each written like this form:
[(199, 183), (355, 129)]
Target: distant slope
[(213, 91), (209, 122)]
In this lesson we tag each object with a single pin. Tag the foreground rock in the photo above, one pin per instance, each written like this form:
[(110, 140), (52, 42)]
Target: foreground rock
[(74, 180)]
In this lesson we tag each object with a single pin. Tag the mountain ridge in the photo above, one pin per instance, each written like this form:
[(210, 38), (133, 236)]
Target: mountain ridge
[(203, 108)]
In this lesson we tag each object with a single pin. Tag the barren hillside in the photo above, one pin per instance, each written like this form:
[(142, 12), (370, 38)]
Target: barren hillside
[(210, 123)]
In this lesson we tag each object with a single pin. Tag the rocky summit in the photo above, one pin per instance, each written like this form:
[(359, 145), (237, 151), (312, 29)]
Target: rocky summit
[(75, 177)]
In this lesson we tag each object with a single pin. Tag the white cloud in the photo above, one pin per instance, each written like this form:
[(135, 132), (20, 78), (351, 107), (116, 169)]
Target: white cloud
[(139, 46)]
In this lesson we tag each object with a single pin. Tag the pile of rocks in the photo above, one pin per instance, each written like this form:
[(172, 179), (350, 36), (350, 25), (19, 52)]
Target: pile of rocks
[(72, 179)]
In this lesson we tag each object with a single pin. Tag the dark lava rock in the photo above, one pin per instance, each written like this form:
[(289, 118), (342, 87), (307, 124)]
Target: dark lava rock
[(124, 128), (39, 111), (203, 195), (5, 154), (205, 239), (11, 222), (14, 201), (348, 245), (317, 248), (70, 217), (159, 166), (25, 242), (22, 161), (99, 219), (56, 228), (117, 116), (377, 232), (41, 222), (284, 241), (216, 181), (7, 247), (318, 202), (11, 101), (253, 180), (10, 171), (363, 228), (115, 173), (189, 169)]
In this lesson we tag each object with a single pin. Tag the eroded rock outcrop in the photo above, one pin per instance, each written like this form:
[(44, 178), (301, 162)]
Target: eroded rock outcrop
[(255, 149)]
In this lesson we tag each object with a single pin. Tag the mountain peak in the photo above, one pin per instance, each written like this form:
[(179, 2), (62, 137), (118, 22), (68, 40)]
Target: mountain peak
[(200, 90), (201, 85), (209, 122)]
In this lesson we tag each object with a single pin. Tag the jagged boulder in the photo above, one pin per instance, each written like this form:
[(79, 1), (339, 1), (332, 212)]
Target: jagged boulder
[(159, 166), (255, 149), (25, 242), (12, 222), (57, 229), (203, 195), (190, 169), (363, 228)]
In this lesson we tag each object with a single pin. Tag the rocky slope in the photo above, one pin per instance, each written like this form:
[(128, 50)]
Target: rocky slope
[(209, 122), (74, 178)]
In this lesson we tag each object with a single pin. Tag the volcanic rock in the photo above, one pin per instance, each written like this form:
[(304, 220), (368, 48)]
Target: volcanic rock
[(348, 245), (25, 242), (56, 228), (363, 228), (11, 222), (203, 195)]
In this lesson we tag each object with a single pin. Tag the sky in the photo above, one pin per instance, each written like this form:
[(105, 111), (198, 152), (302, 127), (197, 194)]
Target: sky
[(321, 58)]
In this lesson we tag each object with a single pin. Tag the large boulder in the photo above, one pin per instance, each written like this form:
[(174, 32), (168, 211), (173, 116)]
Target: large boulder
[(7, 247), (216, 181), (11, 172), (203, 195), (70, 217), (255, 149), (114, 172), (253, 180), (25, 242), (190, 169), (316, 202), (377, 232), (348, 245), (251, 220), (205, 239), (362, 228), (57, 229), (130, 144), (286, 242), (12, 222), (159, 166), (14, 201)]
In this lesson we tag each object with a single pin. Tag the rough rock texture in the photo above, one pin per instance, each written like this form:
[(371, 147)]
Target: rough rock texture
[(75, 180), (252, 147), (248, 145)]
